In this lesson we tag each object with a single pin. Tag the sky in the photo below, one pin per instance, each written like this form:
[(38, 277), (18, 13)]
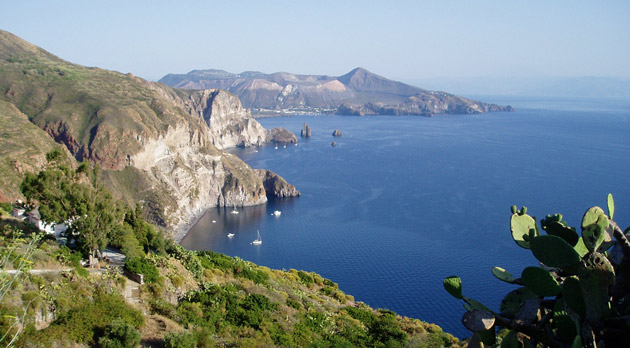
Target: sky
[(406, 40)]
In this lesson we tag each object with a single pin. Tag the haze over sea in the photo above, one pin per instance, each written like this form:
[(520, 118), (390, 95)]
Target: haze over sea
[(403, 202)]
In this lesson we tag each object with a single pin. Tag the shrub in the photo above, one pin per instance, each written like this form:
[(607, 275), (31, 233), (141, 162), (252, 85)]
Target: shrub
[(119, 334), (294, 304), (138, 265), (363, 315), (176, 280), (330, 283), (305, 278), (6, 207), (162, 307), (258, 277), (385, 329), (80, 323), (180, 340), (190, 313)]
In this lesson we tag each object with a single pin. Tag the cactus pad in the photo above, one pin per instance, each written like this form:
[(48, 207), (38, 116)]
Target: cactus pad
[(611, 206), (554, 225), (572, 295), (472, 305), (594, 215), (580, 247), (520, 225), (477, 320), (554, 251), (453, 285), (511, 304), (593, 235), (540, 281), (565, 326), (596, 275), (503, 275)]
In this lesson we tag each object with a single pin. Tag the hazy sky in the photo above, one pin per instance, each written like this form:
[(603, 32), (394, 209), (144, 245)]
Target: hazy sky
[(397, 39)]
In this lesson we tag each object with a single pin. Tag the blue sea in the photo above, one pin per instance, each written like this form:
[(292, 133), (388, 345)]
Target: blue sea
[(403, 202)]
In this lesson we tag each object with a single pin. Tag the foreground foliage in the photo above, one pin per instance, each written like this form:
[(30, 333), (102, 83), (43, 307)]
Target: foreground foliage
[(198, 299), (577, 297)]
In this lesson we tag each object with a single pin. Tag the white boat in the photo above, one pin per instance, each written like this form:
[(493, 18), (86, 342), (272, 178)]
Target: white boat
[(284, 147), (276, 147), (234, 211), (214, 221), (230, 235), (258, 240), (276, 213)]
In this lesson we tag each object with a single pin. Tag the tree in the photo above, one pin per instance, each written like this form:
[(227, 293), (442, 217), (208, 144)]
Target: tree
[(74, 197), (119, 334)]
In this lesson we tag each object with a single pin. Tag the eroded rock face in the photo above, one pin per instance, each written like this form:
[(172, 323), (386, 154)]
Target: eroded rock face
[(275, 185), (182, 165), (281, 135), (306, 131), (230, 124)]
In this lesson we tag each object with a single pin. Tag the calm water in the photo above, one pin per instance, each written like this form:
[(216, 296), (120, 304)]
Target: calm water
[(403, 202)]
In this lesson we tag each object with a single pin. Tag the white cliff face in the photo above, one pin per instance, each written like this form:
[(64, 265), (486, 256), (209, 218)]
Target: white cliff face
[(182, 164), (229, 123)]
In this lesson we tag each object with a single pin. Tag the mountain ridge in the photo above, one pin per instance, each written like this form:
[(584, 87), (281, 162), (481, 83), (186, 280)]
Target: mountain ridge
[(358, 92)]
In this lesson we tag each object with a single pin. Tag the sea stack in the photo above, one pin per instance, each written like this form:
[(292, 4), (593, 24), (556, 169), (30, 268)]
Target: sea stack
[(337, 133), (275, 185), (281, 135), (306, 131)]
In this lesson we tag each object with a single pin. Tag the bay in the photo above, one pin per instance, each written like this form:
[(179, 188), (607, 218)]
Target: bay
[(403, 202)]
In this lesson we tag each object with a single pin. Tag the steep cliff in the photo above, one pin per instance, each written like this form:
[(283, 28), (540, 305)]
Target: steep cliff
[(275, 185), (156, 145), (230, 123)]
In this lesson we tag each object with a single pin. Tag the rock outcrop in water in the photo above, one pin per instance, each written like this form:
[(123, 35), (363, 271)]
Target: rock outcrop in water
[(358, 92), (336, 133), (275, 185), (281, 135), (306, 131)]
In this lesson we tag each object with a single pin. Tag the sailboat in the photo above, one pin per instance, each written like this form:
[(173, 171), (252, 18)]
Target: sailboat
[(258, 240), (234, 211)]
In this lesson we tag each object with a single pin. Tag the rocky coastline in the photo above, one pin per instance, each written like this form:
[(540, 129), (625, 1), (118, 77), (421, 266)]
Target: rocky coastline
[(157, 146)]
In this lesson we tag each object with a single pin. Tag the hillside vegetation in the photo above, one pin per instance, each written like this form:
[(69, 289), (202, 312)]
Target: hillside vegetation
[(199, 299)]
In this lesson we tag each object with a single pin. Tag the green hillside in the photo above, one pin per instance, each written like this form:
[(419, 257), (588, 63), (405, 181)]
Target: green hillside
[(195, 299), (94, 112), (104, 117)]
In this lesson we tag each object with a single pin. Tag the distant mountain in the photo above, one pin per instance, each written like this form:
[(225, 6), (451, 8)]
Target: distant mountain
[(358, 92)]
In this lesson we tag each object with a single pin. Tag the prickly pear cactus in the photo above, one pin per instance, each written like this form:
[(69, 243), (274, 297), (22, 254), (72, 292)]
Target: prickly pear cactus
[(577, 297), (521, 225)]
